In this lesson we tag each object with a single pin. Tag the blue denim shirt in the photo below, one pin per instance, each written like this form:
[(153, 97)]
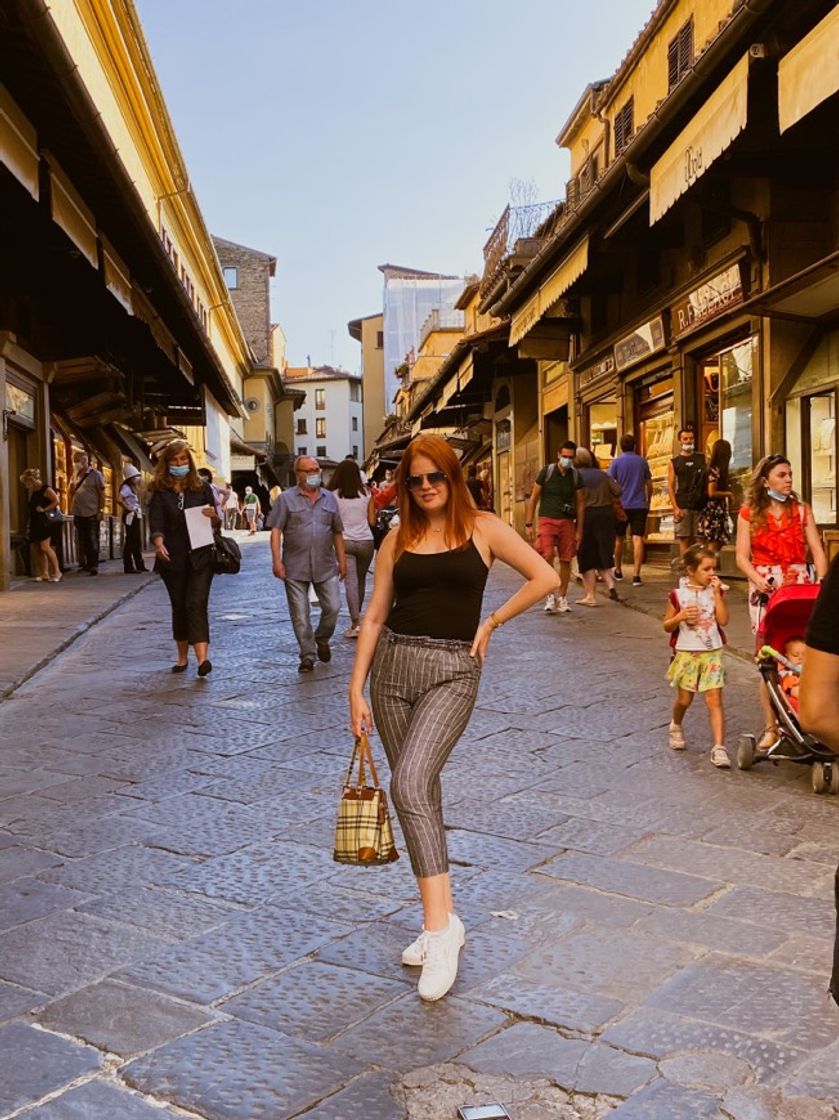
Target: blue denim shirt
[(307, 527)]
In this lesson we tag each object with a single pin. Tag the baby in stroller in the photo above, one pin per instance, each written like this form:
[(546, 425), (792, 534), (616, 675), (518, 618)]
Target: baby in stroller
[(782, 623)]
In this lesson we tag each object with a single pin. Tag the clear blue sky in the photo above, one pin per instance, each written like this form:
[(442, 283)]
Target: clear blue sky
[(341, 134)]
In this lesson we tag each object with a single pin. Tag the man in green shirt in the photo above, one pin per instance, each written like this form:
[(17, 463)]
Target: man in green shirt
[(559, 491)]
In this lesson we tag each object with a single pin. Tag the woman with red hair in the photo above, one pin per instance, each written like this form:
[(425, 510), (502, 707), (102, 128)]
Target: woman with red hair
[(423, 642)]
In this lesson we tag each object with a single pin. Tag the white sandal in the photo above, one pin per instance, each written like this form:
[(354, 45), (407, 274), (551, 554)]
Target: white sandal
[(676, 737), (719, 757), (769, 738)]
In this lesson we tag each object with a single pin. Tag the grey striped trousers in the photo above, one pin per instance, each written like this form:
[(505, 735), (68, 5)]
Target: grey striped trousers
[(422, 692)]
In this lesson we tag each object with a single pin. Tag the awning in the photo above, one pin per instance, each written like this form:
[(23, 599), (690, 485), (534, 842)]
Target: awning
[(465, 372), (809, 73), (547, 294), (133, 447), (720, 120), (239, 447), (449, 390)]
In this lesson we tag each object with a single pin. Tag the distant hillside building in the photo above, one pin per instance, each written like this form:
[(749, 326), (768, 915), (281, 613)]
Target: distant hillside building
[(329, 423)]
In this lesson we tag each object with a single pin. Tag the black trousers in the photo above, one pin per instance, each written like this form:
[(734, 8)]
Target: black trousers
[(189, 592), (132, 545), (87, 534)]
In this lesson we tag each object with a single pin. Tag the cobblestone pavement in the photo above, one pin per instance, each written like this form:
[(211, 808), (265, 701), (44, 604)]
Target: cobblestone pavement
[(647, 936)]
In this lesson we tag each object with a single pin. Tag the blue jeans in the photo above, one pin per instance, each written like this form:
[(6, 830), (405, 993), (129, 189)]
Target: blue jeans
[(329, 597)]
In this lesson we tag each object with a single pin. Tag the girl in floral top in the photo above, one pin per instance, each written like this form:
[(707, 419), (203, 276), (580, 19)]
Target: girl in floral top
[(695, 613), (775, 531)]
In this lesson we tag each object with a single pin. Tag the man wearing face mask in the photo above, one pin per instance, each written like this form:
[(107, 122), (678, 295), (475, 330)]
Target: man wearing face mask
[(307, 547), (687, 485), (559, 491), (87, 505)]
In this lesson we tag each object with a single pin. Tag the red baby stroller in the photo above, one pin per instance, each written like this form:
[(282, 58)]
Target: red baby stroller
[(786, 616)]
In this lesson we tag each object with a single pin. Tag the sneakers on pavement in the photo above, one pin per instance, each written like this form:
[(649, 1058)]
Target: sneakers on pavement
[(550, 605), (618, 574), (719, 757), (676, 736), (440, 960), (637, 581), (414, 954), (562, 604), (613, 595)]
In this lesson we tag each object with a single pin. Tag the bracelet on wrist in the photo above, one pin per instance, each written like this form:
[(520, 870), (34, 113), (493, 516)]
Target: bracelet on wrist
[(495, 620)]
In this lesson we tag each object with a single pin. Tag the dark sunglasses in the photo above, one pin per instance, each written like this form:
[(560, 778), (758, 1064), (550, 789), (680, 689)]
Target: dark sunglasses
[(433, 478)]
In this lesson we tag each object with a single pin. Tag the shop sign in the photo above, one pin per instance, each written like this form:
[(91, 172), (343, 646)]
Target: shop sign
[(503, 435), (20, 402), (242, 462), (644, 340), (705, 303), (596, 371)]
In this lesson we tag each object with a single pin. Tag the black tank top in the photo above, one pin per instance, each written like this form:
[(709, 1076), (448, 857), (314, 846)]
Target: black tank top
[(439, 595)]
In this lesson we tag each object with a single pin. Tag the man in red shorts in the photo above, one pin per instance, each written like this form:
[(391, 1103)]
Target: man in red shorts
[(559, 491)]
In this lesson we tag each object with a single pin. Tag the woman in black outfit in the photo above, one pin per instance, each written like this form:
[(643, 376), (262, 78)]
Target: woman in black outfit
[(423, 642), (176, 487), (597, 549), (42, 500)]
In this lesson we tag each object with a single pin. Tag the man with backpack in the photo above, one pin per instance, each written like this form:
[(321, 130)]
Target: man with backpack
[(687, 483), (559, 491)]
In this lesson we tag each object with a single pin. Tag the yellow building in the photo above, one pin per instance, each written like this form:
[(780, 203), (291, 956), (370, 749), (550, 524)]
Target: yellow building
[(114, 317), (369, 331)]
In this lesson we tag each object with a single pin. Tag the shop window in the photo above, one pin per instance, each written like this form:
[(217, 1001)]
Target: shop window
[(320, 399), (656, 431), (603, 429), (680, 55), (320, 427), (727, 380), (301, 427), (820, 442), (624, 125)]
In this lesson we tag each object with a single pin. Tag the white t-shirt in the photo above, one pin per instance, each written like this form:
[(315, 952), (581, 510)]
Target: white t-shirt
[(705, 635), (354, 516)]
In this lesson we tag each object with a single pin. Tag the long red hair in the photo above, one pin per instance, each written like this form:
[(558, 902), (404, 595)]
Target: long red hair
[(460, 509)]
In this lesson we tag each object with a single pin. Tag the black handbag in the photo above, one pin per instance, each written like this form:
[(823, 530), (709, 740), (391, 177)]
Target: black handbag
[(225, 556)]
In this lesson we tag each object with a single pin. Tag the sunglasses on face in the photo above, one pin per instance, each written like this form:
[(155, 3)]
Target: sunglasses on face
[(433, 478)]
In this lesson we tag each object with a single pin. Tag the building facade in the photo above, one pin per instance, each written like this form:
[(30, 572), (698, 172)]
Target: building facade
[(369, 332), (687, 279), (328, 424), (116, 331)]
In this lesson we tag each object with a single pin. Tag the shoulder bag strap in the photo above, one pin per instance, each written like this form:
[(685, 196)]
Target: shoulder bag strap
[(367, 751)]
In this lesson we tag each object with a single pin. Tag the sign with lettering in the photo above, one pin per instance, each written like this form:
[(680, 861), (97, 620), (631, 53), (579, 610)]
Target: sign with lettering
[(706, 302), (594, 372), (644, 340)]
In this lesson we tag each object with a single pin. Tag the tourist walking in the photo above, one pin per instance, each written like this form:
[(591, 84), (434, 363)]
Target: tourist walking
[(358, 516), (632, 473), (476, 488), (775, 533), (307, 547), (132, 521), (423, 643), (686, 483), (87, 505), (42, 501), (597, 547), (558, 491), (231, 510), (186, 572), (696, 611), (250, 506), (715, 526)]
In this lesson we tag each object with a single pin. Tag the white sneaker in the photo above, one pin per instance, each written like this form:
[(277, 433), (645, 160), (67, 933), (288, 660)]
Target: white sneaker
[(550, 605), (439, 966), (414, 954), (562, 605)]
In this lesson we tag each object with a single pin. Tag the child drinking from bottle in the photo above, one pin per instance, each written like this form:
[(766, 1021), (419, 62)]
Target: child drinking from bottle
[(695, 614)]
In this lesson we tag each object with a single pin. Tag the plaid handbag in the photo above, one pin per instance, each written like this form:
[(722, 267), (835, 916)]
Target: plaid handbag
[(363, 834)]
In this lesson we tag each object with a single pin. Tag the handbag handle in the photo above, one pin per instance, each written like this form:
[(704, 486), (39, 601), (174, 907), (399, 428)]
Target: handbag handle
[(362, 751)]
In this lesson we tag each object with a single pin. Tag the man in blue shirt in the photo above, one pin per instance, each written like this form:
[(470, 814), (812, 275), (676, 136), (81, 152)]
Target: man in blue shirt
[(632, 471), (307, 546)]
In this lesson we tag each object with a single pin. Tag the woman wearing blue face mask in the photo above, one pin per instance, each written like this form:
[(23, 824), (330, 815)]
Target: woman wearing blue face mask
[(177, 487), (775, 533)]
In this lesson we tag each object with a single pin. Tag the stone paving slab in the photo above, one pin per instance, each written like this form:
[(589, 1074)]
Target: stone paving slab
[(368, 1097), (99, 1100), (122, 1019), (36, 1063), (238, 1069)]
